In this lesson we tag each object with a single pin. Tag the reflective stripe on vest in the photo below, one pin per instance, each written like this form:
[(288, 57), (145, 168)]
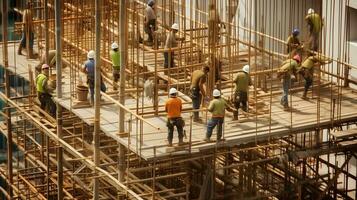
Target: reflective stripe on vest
[(39, 84)]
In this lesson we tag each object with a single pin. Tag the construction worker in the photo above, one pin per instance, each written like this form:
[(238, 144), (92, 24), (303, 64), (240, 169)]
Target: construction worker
[(43, 91), (89, 69), (51, 59), (115, 57), (170, 43), (290, 66), (242, 82), (315, 24), (198, 80), (307, 70), (217, 107), (173, 107), (214, 25), (293, 42), (27, 38), (217, 64), (150, 20)]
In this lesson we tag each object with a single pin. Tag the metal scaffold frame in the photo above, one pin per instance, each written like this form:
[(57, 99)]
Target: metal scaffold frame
[(82, 156)]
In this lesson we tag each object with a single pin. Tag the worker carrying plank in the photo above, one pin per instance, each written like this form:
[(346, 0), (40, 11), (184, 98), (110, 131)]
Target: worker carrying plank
[(115, 57), (307, 70), (293, 43), (241, 89), (315, 24), (173, 107), (150, 20), (289, 67), (89, 70), (217, 107), (198, 90), (51, 59), (27, 38), (43, 91)]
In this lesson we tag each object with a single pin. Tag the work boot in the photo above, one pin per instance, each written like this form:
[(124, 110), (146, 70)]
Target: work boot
[(198, 120), (304, 96), (31, 54), (169, 143), (115, 87), (286, 107), (19, 50), (235, 116), (181, 142), (207, 139)]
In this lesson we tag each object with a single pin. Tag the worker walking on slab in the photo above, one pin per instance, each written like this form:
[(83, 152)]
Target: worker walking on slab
[(314, 23), (150, 20), (173, 107), (293, 43), (307, 70), (115, 57), (89, 69), (242, 82), (198, 81), (43, 91), (27, 38), (171, 42), (289, 67), (217, 107)]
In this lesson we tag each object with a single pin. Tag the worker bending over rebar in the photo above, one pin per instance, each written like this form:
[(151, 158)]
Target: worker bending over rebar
[(289, 67), (198, 90), (314, 23)]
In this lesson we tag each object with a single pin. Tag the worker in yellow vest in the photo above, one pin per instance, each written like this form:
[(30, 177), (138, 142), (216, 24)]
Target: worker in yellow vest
[(115, 57), (43, 91), (315, 25)]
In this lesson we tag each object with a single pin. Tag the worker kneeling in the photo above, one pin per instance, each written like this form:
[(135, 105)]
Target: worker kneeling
[(217, 107), (173, 107), (43, 91)]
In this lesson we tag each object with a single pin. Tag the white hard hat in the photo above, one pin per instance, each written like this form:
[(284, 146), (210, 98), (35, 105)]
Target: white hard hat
[(91, 54), (115, 45), (246, 68), (45, 66), (175, 26), (172, 91), (216, 93), (310, 11)]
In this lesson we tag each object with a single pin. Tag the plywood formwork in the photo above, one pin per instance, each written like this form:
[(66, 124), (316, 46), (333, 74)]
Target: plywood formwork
[(254, 160)]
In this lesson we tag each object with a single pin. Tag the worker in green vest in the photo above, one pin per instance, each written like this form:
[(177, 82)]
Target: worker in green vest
[(115, 57), (43, 91), (307, 70), (293, 42), (242, 82), (315, 24), (289, 67)]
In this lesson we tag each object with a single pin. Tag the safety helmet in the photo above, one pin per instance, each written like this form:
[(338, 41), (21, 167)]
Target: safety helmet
[(297, 58), (151, 3), (45, 66), (246, 68), (296, 32), (216, 93), (115, 45), (172, 91), (310, 11), (91, 54), (175, 26)]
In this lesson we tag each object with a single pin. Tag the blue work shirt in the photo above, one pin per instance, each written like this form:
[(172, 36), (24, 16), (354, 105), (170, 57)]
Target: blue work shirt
[(89, 68)]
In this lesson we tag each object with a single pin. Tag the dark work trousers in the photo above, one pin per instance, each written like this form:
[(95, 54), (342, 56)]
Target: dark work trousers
[(171, 123)]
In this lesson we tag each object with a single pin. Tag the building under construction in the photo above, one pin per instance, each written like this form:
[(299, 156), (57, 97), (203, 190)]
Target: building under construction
[(115, 147)]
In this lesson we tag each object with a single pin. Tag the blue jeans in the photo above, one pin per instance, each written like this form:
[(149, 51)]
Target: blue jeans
[(103, 88), (212, 123), (286, 86), (23, 40), (196, 101)]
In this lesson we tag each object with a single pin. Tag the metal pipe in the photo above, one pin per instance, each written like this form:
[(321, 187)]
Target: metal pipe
[(8, 94), (59, 95), (97, 85), (123, 61)]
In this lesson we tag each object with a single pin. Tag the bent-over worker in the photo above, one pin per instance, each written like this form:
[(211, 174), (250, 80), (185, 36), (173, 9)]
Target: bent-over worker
[(315, 25)]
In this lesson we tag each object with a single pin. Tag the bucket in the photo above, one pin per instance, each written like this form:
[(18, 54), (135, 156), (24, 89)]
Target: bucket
[(82, 92)]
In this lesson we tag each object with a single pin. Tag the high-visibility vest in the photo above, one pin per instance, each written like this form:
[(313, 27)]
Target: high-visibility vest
[(39, 82)]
